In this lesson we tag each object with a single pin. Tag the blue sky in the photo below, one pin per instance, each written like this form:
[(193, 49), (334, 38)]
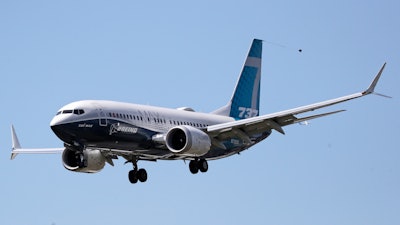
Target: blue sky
[(342, 169)]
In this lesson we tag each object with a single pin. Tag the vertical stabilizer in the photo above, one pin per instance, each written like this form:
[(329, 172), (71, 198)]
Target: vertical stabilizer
[(246, 97)]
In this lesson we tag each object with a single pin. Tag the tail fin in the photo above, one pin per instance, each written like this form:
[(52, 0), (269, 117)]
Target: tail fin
[(245, 101)]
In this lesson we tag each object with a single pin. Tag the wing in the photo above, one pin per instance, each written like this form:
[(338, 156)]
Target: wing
[(244, 128), (16, 147)]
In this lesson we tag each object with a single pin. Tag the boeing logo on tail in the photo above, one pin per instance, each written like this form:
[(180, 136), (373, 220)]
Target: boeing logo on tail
[(95, 132)]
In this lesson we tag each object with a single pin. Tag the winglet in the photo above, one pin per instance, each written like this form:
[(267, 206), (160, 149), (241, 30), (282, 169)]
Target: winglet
[(15, 143), (372, 86)]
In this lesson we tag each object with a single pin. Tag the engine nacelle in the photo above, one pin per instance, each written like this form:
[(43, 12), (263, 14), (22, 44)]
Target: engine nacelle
[(88, 161), (187, 140)]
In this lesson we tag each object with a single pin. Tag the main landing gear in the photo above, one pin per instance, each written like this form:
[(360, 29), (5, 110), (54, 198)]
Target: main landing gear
[(198, 164), (136, 174)]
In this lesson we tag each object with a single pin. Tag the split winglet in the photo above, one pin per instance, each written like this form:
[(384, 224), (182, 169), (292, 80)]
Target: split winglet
[(372, 86), (15, 143)]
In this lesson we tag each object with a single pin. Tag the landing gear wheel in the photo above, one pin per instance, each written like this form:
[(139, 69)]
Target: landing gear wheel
[(193, 167), (196, 165), (202, 165), (137, 175), (141, 175), (132, 176)]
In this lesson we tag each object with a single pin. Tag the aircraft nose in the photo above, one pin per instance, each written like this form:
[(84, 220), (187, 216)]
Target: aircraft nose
[(60, 125), (60, 119), (55, 121)]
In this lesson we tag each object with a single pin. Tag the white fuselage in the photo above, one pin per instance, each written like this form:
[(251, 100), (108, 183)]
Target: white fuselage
[(131, 127), (156, 119)]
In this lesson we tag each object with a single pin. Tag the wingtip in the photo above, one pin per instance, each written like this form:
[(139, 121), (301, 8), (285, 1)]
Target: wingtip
[(15, 143), (372, 86)]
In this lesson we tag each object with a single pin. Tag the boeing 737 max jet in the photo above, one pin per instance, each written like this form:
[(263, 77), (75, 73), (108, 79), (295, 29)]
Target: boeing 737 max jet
[(95, 132)]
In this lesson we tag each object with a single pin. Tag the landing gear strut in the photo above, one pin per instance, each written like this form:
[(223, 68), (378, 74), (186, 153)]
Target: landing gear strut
[(136, 174), (196, 165)]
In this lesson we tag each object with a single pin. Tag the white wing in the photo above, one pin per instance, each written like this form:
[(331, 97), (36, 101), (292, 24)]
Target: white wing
[(16, 147), (245, 127)]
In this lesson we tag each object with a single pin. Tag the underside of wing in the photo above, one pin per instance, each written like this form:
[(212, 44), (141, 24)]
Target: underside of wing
[(245, 129)]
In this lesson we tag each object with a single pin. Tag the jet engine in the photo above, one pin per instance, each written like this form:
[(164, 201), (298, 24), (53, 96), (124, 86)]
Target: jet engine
[(86, 161), (187, 140)]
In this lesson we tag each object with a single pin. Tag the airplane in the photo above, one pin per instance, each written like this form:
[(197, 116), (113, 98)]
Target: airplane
[(95, 132)]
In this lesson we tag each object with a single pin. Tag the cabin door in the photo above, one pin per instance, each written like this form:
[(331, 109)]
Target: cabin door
[(102, 117)]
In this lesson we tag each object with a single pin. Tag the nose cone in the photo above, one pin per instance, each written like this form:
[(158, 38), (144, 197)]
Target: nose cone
[(55, 121), (62, 127), (63, 117), (58, 131)]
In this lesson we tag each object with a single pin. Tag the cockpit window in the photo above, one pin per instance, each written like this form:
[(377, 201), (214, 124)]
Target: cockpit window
[(79, 111), (70, 111)]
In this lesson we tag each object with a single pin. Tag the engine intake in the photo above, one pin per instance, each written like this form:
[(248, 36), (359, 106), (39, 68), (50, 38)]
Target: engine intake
[(187, 140), (87, 161)]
